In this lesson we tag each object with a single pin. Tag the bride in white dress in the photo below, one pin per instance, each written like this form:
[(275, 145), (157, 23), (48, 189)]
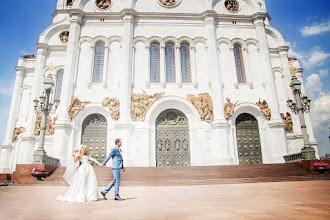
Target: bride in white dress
[(83, 187)]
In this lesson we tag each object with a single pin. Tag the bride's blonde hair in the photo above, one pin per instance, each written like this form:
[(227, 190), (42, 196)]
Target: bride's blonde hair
[(83, 150)]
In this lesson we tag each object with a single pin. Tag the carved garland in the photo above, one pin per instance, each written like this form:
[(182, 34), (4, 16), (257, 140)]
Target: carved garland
[(203, 104), (140, 104), (265, 110), (17, 131), (113, 105), (76, 106)]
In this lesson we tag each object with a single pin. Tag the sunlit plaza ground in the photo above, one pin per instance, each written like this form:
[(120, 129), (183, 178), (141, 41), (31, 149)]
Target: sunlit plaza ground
[(274, 200)]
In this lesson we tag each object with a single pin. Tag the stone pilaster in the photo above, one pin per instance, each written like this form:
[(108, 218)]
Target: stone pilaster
[(259, 24)]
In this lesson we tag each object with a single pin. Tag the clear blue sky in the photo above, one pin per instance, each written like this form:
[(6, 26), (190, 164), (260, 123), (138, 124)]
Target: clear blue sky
[(304, 24)]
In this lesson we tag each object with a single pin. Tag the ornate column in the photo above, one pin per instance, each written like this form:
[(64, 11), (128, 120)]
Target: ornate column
[(148, 67), (220, 154), (7, 146), (91, 72), (70, 64), (258, 20), (124, 127), (105, 67), (133, 64), (77, 67), (162, 66), (178, 76), (283, 51), (193, 66), (276, 133), (214, 67), (247, 66), (63, 125)]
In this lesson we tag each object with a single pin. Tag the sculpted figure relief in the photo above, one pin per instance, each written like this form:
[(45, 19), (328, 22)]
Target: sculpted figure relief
[(229, 108), (49, 124), (17, 131), (103, 4), (203, 104), (264, 109), (288, 122), (169, 2), (113, 105), (76, 106), (64, 36), (140, 104)]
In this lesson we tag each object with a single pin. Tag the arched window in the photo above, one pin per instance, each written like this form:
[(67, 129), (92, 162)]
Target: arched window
[(154, 63), (170, 62), (98, 63), (239, 64), (59, 82), (185, 63)]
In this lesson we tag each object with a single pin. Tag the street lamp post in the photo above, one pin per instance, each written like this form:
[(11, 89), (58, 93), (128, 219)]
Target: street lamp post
[(301, 105), (45, 106)]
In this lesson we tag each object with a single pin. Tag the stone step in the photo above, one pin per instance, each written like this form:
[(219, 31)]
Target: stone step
[(191, 175)]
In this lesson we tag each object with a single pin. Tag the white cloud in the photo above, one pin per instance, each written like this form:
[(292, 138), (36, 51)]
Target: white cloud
[(292, 53), (6, 87), (315, 29), (316, 58), (320, 117), (324, 72), (313, 85)]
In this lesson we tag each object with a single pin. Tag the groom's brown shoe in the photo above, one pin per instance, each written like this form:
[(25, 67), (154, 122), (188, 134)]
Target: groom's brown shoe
[(119, 199), (103, 194)]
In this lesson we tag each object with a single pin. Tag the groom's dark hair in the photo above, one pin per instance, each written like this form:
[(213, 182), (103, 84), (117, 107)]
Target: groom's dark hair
[(117, 140)]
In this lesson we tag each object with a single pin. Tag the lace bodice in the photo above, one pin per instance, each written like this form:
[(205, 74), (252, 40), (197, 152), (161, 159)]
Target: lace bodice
[(84, 159)]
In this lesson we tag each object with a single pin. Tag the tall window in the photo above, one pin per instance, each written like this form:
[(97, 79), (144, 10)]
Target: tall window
[(185, 63), (239, 64), (154, 63), (59, 82), (170, 62), (98, 63)]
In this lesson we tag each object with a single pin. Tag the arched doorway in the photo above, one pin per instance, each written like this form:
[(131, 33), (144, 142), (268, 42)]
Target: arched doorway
[(248, 140), (94, 135), (172, 139)]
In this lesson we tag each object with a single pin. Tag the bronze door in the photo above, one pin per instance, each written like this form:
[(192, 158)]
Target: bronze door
[(248, 140), (94, 135), (172, 139)]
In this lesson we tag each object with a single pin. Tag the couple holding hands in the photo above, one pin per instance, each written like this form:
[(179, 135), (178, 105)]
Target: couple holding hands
[(83, 182)]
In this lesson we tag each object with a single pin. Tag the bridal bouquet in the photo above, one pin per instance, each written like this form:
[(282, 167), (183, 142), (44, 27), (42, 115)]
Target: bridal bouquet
[(74, 151)]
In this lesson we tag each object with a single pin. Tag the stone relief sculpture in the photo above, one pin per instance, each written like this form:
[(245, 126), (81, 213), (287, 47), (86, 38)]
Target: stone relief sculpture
[(169, 2), (49, 124), (76, 106), (264, 109), (64, 36), (17, 131), (140, 104), (232, 5), (103, 4), (288, 122), (229, 108), (113, 105), (203, 104)]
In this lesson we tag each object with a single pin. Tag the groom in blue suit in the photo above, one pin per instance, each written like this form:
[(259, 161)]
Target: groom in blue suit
[(117, 165)]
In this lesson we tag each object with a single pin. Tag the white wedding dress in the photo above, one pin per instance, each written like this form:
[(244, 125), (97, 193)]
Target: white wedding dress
[(83, 187)]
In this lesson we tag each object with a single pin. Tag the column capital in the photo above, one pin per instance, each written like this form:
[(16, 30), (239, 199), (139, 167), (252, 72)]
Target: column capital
[(76, 15), (260, 17), (42, 47), (128, 14)]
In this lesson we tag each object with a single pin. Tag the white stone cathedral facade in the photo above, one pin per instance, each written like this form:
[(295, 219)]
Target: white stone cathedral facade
[(181, 82)]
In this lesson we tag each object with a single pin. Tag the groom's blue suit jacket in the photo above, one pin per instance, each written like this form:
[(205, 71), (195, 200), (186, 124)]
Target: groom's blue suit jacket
[(117, 160)]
